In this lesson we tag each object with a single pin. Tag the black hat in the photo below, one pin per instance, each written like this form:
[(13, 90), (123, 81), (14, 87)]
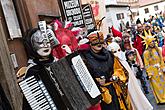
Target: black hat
[(128, 52)]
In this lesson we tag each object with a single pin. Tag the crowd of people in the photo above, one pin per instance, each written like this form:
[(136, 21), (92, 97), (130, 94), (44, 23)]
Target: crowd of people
[(142, 48), (117, 61)]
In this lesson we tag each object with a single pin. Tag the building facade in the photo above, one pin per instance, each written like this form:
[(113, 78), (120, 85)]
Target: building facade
[(131, 10), (150, 8), (144, 8), (115, 14)]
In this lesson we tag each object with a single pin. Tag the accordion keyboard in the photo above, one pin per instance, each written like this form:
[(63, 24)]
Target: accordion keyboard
[(36, 94)]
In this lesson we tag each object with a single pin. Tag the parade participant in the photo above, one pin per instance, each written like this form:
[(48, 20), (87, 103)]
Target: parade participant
[(67, 39), (109, 39), (155, 68), (125, 41), (159, 21), (118, 40), (122, 26), (135, 94), (139, 63), (138, 60), (159, 36), (128, 46), (147, 27), (138, 40), (100, 64), (116, 33), (122, 75), (163, 47), (138, 21), (38, 48), (131, 59)]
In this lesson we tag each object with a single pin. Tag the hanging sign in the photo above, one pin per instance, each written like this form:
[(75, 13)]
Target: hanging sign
[(88, 16), (73, 12)]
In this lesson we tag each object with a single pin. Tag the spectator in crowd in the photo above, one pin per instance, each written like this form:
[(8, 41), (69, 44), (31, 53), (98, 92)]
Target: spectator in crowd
[(138, 40), (131, 59)]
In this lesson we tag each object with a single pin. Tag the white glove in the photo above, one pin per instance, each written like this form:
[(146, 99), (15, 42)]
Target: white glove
[(163, 70)]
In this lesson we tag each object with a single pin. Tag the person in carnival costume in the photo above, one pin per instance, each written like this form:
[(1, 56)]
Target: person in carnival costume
[(155, 68), (38, 46), (138, 60), (138, 40), (131, 59), (137, 99), (100, 64), (159, 36), (128, 46), (68, 42)]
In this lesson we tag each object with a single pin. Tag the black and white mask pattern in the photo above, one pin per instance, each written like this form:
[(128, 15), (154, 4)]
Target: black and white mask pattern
[(41, 43)]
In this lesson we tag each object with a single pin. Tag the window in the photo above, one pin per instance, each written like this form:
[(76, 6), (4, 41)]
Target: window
[(156, 8), (146, 10), (120, 16)]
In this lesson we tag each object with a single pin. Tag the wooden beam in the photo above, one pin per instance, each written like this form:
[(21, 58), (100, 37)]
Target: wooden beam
[(23, 15), (7, 73)]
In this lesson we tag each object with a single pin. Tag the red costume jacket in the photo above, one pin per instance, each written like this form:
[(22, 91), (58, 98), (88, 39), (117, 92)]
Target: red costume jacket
[(139, 45), (65, 37)]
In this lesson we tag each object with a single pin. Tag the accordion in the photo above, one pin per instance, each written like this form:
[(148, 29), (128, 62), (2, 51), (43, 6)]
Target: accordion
[(37, 94), (67, 85)]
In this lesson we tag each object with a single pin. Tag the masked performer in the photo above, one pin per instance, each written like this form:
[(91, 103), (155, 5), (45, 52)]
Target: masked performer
[(67, 40), (38, 48), (155, 68), (127, 84), (128, 46), (100, 64), (131, 56)]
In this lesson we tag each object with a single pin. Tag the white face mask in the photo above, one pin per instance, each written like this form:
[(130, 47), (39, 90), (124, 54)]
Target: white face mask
[(116, 50), (41, 44), (119, 54), (44, 52)]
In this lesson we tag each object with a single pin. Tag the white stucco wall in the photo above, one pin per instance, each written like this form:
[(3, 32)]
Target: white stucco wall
[(111, 16), (108, 2), (142, 14)]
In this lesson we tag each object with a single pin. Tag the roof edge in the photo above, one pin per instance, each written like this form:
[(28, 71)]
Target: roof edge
[(116, 5)]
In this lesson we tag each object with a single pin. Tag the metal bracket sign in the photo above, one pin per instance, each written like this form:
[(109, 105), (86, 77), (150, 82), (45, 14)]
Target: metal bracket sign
[(11, 18), (88, 16), (73, 12)]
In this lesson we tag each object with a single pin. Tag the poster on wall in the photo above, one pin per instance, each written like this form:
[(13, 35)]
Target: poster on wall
[(73, 12), (88, 16)]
